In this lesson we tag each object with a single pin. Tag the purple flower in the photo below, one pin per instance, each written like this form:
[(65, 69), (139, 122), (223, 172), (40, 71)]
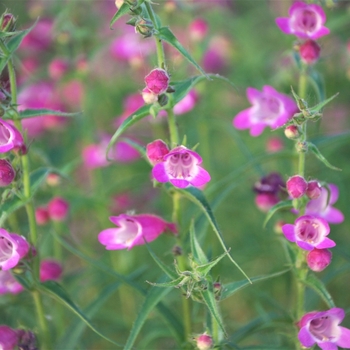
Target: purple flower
[(304, 21), (8, 338), (12, 248), (322, 206), (269, 108), (8, 284), (318, 259), (309, 232), (10, 138), (133, 230), (7, 173), (296, 186), (323, 329), (181, 168), (157, 81), (50, 269)]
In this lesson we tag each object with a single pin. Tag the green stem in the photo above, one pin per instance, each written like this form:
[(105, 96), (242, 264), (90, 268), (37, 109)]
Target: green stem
[(215, 331), (174, 134)]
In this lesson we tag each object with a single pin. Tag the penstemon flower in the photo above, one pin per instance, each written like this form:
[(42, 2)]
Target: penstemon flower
[(12, 248), (269, 108), (8, 284), (10, 138), (309, 232), (157, 81), (133, 230), (318, 259), (181, 168), (322, 328), (305, 21), (8, 338)]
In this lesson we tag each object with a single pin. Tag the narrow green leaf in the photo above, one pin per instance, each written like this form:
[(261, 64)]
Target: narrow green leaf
[(75, 330), (131, 120), (319, 155), (123, 10), (203, 270), (197, 197), (280, 205), (29, 113), (173, 283), (209, 300), (55, 291), (196, 250), (169, 272), (317, 285), (317, 81), (166, 34), (233, 287), (319, 106), (154, 296)]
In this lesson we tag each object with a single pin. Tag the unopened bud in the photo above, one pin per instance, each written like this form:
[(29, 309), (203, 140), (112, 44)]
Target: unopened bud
[(198, 29), (148, 96), (291, 132), (314, 189), (296, 186), (265, 201), (204, 342), (8, 23), (41, 215), (7, 173), (319, 259), (301, 147), (144, 27), (58, 209), (156, 150), (309, 52), (157, 81), (53, 179)]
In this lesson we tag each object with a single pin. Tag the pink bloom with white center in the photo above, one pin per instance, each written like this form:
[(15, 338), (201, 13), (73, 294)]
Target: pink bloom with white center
[(10, 138), (8, 338), (322, 206), (305, 21), (12, 249), (8, 284), (322, 328), (157, 81), (318, 259), (133, 230), (181, 168), (58, 209), (50, 269), (309, 232), (269, 108)]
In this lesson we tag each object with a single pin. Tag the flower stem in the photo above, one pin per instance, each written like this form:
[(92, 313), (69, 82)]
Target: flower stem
[(174, 134)]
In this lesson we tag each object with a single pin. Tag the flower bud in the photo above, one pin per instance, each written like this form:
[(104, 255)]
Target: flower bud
[(291, 132), (119, 3), (296, 186), (8, 338), (8, 23), (42, 215), (50, 270), (27, 340), (204, 342), (314, 189), (157, 81), (309, 52), (144, 27), (301, 147), (57, 68), (53, 179), (318, 259), (148, 96), (7, 173), (198, 29), (58, 209), (156, 150), (265, 201), (274, 144)]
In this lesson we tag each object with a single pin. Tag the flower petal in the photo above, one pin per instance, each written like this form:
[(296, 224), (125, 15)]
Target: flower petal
[(288, 231), (201, 178), (179, 183), (305, 245), (305, 338), (326, 243), (327, 346), (344, 339), (283, 24), (159, 173), (242, 120)]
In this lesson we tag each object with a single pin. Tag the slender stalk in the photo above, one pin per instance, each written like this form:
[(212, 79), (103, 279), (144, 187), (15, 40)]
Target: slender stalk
[(174, 134)]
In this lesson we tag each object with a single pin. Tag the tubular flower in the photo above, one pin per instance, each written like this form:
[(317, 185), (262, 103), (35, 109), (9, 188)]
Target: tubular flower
[(8, 284), (304, 21), (12, 248), (181, 168), (10, 138), (322, 328), (8, 338), (133, 230), (309, 232), (269, 108), (322, 206)]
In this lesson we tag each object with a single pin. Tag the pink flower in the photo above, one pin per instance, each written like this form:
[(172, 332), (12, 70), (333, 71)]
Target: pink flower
[(313, 190), (322, 328), (187, 103), (58, 209), (133, 230), (156, 151), (318, 259), (10, 138), (157, 81), (296, 186), (309, 52), (58, 67), (42, 215), (198, 29), (274, 144), (12, 248), (50, 269), (265, 201), (8, 338), (322, 206), (8, 284), (40, 37), (7, 173), (304, 21), (269, 108), (148, 96), (309, 232), (181, 168), (204, 342)]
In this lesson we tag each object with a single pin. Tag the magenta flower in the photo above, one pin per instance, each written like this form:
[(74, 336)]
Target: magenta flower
[(156, 151), (296, 186), (322, 206), (8, 338), (58, 209), (8, 284), (7, 173), (133, 230), (269, 108), (318, 259), (198, 29), (322, 328), (309, 52), (10, 138), (181, 168), (309, 232), (50, 269), (204, 342), (157, 81), (304, 21), (12, 248)]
